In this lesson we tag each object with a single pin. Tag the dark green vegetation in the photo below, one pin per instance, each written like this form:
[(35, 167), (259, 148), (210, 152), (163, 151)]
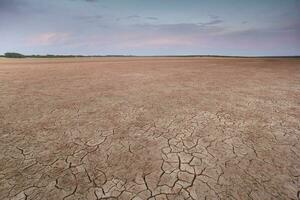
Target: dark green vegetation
[(13, 55), (18, 55)]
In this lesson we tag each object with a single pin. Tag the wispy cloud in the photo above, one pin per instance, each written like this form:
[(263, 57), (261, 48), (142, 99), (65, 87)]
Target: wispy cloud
[(181, 28), (90, 0), (215, 20), (158, 42), (49, 38), (137, 17), (212, 22), (214, 16), (133, 17), (89, 18), (143, 36), (151, 18)]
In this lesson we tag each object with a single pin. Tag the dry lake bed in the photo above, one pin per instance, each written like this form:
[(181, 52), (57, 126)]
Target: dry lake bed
[(150, 128)]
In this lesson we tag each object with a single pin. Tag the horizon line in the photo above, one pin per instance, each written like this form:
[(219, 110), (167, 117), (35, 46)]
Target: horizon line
[(166, 55)]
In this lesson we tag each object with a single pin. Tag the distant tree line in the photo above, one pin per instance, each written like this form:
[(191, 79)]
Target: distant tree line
[(18, 55), (13, 55)]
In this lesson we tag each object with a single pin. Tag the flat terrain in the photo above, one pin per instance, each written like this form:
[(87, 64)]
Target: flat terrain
[(149, 128)]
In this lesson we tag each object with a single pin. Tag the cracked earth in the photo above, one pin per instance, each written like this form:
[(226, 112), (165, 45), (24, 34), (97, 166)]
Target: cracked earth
[(150, 128)]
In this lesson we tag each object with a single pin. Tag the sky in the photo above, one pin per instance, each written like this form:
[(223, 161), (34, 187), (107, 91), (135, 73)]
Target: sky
[(151, 27)]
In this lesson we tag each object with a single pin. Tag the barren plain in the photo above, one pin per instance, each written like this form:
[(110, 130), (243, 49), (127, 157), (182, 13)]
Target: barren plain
[(150, 128)]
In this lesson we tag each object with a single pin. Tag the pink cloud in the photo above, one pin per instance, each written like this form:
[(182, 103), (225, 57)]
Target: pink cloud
[(49, 38), (125, 40)]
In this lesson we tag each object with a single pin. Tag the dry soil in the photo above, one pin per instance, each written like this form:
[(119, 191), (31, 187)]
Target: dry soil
[(149, 128)]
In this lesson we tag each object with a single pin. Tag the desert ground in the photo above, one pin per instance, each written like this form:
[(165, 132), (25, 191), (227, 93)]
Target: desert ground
[(150, 128)]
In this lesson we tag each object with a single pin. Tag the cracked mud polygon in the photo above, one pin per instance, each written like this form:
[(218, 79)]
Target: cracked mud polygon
[(149, 128)]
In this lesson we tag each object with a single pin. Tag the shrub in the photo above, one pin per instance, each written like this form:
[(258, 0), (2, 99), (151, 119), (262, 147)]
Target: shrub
[(14, 55)]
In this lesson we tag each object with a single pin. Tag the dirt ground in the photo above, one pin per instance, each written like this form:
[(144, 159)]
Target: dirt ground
[(149, 128)]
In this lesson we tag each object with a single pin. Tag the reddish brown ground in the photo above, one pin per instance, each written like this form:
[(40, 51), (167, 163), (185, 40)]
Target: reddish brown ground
[(150, 128)]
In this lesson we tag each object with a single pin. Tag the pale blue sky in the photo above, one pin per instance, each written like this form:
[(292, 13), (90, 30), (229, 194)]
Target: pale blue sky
[(150, 27)]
